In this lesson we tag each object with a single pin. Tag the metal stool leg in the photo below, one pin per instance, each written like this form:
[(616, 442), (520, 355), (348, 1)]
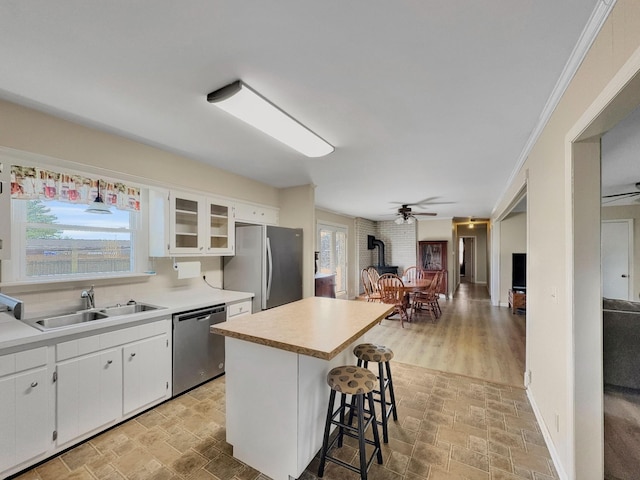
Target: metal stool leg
[(391, 394), (361, 444), (374, 426), (327, 427), (383, 403)]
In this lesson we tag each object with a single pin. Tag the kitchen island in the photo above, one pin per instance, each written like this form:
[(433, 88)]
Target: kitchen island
[(276, 366)]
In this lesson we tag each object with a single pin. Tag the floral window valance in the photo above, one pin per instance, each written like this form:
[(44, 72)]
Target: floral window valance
[(30, 183)]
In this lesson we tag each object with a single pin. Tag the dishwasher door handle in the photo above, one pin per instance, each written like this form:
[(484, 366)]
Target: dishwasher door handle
[(203, 318)]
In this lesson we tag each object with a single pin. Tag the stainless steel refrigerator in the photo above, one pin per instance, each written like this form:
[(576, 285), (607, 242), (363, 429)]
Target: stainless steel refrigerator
[(268, 263)]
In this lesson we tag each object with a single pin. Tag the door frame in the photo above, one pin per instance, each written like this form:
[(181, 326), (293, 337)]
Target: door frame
[(474, 256)]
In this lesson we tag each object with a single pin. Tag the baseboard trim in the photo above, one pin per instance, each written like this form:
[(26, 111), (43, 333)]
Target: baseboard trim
[(547, 438)]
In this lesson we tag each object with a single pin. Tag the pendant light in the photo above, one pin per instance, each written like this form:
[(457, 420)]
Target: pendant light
[(98, 206)]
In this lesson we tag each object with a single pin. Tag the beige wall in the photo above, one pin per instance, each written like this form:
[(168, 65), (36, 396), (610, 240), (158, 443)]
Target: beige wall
[(26, 130), (629, 212), (513, 239), (570, 415)]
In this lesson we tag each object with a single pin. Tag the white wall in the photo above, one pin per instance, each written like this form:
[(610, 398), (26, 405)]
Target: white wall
[(563, 270), (513, 239)]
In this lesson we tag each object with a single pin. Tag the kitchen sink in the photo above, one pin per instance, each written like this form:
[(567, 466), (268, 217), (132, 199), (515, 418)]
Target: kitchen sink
[(84, 316), (70, 319), (128, 309)]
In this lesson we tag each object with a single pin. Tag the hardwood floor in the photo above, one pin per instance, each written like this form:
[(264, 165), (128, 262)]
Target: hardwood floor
[(471, 338)]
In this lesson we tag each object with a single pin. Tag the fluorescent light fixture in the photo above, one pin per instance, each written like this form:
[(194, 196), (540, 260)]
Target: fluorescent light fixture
[(249, 106)]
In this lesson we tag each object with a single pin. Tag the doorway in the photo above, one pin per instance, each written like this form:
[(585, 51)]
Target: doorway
[(466, 256)]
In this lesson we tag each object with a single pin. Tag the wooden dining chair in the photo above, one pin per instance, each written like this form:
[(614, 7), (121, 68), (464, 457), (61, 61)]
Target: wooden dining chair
[(392, 293), (371, 294), (428, 299), (411, 274), (374, 276)]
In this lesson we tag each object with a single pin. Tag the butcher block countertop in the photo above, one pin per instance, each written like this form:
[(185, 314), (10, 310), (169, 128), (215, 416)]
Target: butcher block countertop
[(315, 326)]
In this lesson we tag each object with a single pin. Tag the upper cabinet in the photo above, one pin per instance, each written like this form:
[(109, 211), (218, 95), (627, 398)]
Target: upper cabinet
[(256, 214), (185, 224)]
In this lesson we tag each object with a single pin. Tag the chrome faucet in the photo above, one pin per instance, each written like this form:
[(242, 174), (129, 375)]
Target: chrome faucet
[(89, 296)]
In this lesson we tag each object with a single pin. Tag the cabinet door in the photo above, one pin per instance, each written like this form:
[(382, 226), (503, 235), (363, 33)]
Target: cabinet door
[(33, 433), (220, 227), (89, 393), (185, 223), (147, 369), (24, 417)]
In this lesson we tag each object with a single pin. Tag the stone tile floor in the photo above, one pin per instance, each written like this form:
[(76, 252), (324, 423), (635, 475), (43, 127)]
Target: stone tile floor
[(449, 427)]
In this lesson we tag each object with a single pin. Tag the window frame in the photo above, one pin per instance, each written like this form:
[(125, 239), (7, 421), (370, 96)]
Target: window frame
[(14, 270), (334, 228)]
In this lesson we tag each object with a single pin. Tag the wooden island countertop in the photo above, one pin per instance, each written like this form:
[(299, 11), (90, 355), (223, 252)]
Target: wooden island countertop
[(316, 326)]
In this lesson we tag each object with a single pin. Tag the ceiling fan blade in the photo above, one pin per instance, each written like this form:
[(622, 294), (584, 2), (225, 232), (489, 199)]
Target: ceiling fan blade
[(620, 194), (428, 214)]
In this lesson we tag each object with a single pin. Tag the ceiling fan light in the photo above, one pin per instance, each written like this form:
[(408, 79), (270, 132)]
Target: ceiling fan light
[(249, 106), (411, 219), (399, 221)]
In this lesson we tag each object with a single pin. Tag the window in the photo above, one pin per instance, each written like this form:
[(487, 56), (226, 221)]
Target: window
[(332, 242), (55, 240)]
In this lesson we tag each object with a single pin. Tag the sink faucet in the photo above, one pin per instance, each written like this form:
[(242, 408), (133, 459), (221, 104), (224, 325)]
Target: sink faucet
[(89, 296)]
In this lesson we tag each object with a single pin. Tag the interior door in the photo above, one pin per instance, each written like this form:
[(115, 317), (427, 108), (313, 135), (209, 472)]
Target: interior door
[(616, 258)]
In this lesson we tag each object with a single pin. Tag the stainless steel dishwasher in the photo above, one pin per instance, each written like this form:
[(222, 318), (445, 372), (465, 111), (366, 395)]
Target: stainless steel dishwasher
[(198, 355)]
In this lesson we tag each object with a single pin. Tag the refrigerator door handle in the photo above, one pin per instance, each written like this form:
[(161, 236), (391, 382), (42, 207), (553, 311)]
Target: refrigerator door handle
[(269, 267)]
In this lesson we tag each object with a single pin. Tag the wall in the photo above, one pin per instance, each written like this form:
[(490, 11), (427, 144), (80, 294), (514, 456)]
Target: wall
[(353, 262), (365, 257), (297, 210), (27, 130), (513, 239), (629, 212), (399, 242), (571, 416)]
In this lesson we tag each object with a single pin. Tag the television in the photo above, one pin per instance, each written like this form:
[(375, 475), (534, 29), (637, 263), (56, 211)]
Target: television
[(519, 271)]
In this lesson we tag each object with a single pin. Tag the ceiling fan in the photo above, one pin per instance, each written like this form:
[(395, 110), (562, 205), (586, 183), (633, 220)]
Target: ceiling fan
[(405, 215), (624, 195)]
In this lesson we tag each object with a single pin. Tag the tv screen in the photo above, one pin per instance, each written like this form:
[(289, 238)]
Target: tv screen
[(519, 271)]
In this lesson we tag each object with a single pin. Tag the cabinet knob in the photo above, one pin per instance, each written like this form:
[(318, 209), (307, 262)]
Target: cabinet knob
[(34, 384), (624, 276), (133, 354), (109, 362)]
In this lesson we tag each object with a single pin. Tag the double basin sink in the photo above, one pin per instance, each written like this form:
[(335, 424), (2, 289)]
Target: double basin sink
[(84, 316)]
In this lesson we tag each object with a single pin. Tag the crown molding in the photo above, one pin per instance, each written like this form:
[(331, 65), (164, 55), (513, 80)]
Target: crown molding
[(589, 33)]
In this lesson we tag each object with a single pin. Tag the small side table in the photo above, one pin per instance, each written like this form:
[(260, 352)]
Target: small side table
[(517, 300)]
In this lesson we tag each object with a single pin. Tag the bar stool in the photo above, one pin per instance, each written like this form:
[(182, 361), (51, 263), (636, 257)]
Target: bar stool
[(357, 382), (369, 352)]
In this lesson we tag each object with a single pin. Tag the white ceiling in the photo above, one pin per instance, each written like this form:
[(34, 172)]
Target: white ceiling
[(421, 98)]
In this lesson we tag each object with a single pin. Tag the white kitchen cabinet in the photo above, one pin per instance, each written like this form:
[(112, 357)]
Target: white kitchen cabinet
[(25, 423), (104, 378), (256, 214), (145, 381), (239, 309), (89, 393), (185, 224)]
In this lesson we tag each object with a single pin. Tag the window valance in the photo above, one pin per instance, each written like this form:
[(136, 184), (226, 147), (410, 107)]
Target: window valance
[(31, 183)]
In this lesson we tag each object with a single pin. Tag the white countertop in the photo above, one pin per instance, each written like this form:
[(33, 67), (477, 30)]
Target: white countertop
[(17, 335)]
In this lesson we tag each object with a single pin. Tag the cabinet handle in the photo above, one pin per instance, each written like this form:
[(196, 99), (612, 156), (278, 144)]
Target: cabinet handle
[(133, 354), (109, 362), (34, 384), (624, 276)]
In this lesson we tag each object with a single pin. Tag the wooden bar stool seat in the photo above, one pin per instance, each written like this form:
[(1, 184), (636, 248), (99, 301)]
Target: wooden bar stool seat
[(359, 383), (369, 352)]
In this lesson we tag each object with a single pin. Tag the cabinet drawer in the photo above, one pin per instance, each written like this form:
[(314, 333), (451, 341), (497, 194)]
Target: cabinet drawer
[(237, 309), (256, 214), (18, 362)]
